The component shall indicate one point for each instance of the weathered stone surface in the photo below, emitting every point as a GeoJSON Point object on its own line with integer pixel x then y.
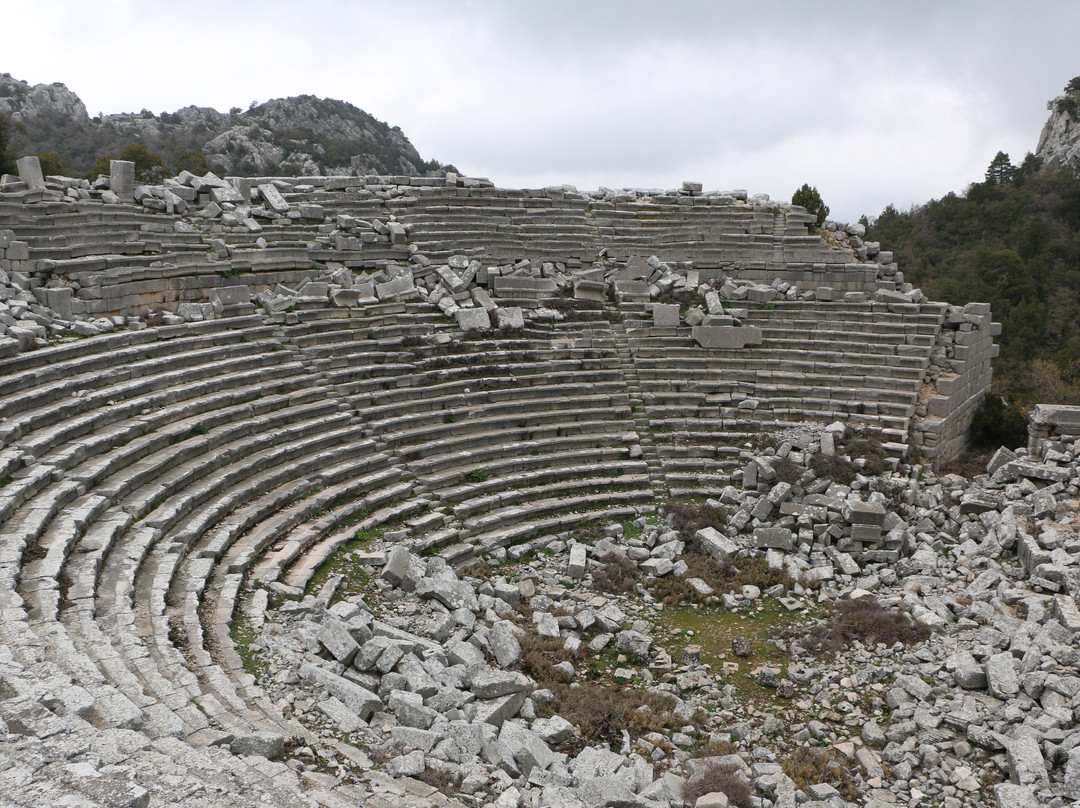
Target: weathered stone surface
{"type": "Point", "coordinates": [270, 745]}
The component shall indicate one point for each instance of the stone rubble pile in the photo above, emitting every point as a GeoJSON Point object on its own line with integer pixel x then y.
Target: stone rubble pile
{"type": "Point", "coordinates": [31, 315]}
{"type": "Point", "coordinates": [423, 671]}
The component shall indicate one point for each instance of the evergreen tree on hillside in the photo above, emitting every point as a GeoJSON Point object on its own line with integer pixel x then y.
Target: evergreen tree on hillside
{"type": "Point", "coordinates": [1000, 171]}
{"type": "Point", "coordinates": [1013, 241]}
{"type": "Point", "coordinates": [7, 162]}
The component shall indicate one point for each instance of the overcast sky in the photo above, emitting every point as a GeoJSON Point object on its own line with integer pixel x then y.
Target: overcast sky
{"type": "Point", "coordinates": [873, 102]}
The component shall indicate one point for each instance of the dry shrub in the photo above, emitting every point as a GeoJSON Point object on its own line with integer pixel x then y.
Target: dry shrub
{"type": "Point", "coordinates": [717, 778]}
{"type": "Point", "coordinates": [538, 654]}
{"type": "Point", "coordinates": [616, 576]}
{"type": "Point", "coordinates": [834, 467]}
{"type": "Point", "coordinates": [787, 471]}
{"type": "Point", "coordinates": [721, 576]}
{"type": "Point", "coordinates": [867, 444]}
{"type": "Point", "coordinates": [690, 517]}
{"type": "Point", "coordinates": [446, 781]}
{"type": "Point", "coordinates": [969, 463]}
{"type": "Point", "coordinates": [809, 765]}
{"type": "Point", "coordinates": [865, 620]}
{"type": "Point", "coordinates": [601, 713]}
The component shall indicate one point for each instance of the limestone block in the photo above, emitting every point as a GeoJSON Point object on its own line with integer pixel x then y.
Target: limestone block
{"type": "Point", "coordinates": [590, 290]}
{"type": "Point", "coordinates": [512, 317]}
{"type": "Point", "coordinates": [226, 193]}
{"type": "Point", "coordinates": [491, 684]}
{"type": "Point", "coordinates": [270, 745]}
{"type": "Point", "coordinates": [760, 294]}
{"type": "Point", "coordinates": [575, 569]}
{"type": "Point", "coordinates": [1026, 764]}
{"type": "Point", "coordinates": [29, 169]}
{"type": "Point", "coordinates": [1010, 795]}
{"type": "Point", "coordinates": [666, 315]}
{"type": "Point", "coordinates": [716, 544]}
{"type": "Point", "coordinates": [1001, 676]}
{"type": "Point", "coordinates": [504, 644]}
{"type": "Point", "coordinates": [777, 538]}
{"type": "Point", "coordinates": [474, 319]}
{"type": "Point", "coordinates": [397, 287]}
{"type": "Point", "coordinates": [273, 199]}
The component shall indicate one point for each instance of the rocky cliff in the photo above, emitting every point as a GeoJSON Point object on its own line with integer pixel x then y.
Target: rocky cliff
{"type": "Point", "coordinates": [303, 135]}
{"type": "Point", "coordinates": [1059, 143]}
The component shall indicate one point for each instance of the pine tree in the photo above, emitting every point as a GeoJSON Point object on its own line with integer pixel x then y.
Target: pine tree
{"type": "Point", "coordinates": [810, 199]}
{"type": "Point", "coordinates": [1000, 171]}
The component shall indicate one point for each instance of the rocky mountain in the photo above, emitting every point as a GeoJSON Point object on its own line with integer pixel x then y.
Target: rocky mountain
{"type": "Point", "coordinates": [1059, 143]}
{"type": "Point", "coordinates": [288, 136]}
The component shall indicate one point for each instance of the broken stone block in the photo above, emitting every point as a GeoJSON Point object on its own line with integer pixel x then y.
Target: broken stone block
{"type": "Point", "coordinates": [777, 538]}
{"type": "Point", "coordinates": [270, 745]}
{"type": "Point", "coordinates": [474, 319]}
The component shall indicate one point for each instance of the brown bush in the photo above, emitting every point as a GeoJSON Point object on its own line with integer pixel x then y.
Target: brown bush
{"type": "Point", "coordinates": [722, 577]}
{"type": "Point", "coordinates": [809, 765]}
{"type": "Point", "coordinates": [865, 620]}
{"type": "Point", "coordinates": [834, 467]}
{"type": "Point", "coordinates": [538, 654]}
{"type": "Point", "coordinates": [616, 576]}
{"type": "Point", "coordinates": [788, 471]}
{"type": "Point", "coordinates": [602, 713]}
{"type": "Point", "coordinates": [716, 778]}
{"type": "Point", "coordinates": [690, 517]}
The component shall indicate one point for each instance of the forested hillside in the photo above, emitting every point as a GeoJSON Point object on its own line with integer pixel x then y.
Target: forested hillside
{"type": "Point", "coordinates": [1012, 240]}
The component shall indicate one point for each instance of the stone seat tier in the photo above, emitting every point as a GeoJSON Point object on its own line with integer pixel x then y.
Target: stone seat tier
{"type": "Point", "coordinates": [900, 369]}
{"type": "Point", "coordinates": [69, 359]}
{"type": "Point", "coordinates": [525, 528]}
{"type": "Point", "coordinates": [451, 482]}
{"type": "Point", "coordinates": [569, 480]}
{"type": "Point", "coordinates": [529, 425]}
{"type": "Point", "coordinates": [453, 396]}
{"type": "Point", "coordinates": [453, 456]}
{"type": "Point", "coordinates": [39, 429]}
{"type": "Point", "coordinates": [464, 417]}
{"type": "Point", "coordinates": [236, 473]}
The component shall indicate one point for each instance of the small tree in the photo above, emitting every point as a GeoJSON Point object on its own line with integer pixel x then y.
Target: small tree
{"type": "Point", "coordinates": [51, 164]}
{"type": "Point", "coordinates": [192, 161]}
{"type": "Point", "coordinates": [809, 198]}
{"type": "Point", "coordinates": [1001, 171]}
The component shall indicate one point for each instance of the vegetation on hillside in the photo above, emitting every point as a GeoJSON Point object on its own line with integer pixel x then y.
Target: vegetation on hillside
{"type": "Point", "coordinates": [7, 162]}
{"type": "Point", "coordinates": [1012, 240]}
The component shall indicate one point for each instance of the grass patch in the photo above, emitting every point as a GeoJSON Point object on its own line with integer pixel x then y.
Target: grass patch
{"type": "Point", "coordinates": [354, 576]}
{"type": "Point", "coordinates": [243, 635]}
{"type": "Point", "coordinates": [714, 629]}
{"type": "Point", "coordinates": [476, 476]}
{"type": "Point", "coordinates": [5, 480]}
